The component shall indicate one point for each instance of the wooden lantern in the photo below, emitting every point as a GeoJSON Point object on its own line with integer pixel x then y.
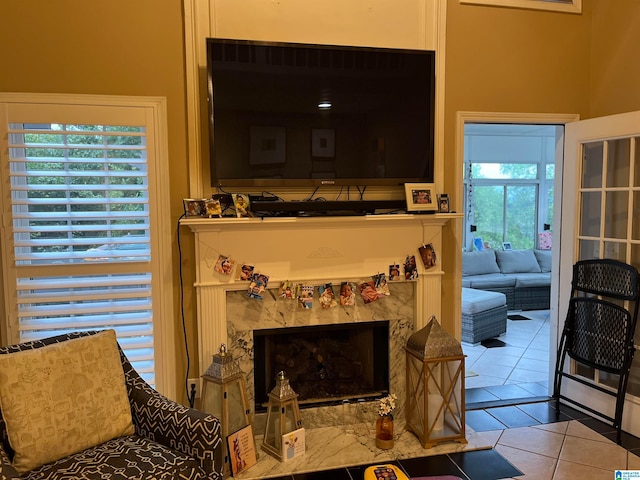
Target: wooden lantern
{"type": "Point", "coordinates": [435, 404]}
{"type": "Point", "coordinates": [224, 395]}
{"type": "Point", "coordinates": [283, 416]}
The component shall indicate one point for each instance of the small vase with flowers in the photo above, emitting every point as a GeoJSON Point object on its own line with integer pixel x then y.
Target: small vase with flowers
{"type": "Point", "coordinates": [384, 423]}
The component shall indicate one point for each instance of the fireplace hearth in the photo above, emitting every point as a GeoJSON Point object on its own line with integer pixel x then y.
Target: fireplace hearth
{"type": "Point", "coordinates": [325, 364]}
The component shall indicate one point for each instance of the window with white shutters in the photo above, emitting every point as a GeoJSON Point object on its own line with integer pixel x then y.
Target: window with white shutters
{"type": "Point", "coordinates": [80, 225]}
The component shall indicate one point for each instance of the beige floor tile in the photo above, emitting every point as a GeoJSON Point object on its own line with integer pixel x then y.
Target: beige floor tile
{"type": "Point", "coordinates": [557, 427]}
{"type": "Point", "coordinates": [593, 453]}
{"type": "Point", "coordinates": [527, 376]}
{"type": "Point", "coordinates": [534, 364]}
{"type": "Point", "coordinates": [575, 471]}
{"type": "Point", "coordinates": [532, 465]}
{"type": "Point", "coordinates": [577, 429]}
{"type": "Point", "coordinates": [533, 440]}
{"type": "Point", "coordinates": [633, 461]}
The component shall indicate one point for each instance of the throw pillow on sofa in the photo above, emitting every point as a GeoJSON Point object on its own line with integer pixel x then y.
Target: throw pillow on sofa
{"type": "Point", "coordinates": [544, 259]}
{"type": "Point", "coordinates": [517, 261]}
{"type": "Point", "coordinates": [63, 398]}
{"type": "Point", "coordinates": [479, 263]}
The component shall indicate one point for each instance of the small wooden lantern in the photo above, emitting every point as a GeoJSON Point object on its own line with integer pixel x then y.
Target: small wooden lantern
{"type": "Point", "coordinates": [435, 405]}
{"type": "Point", "coordinates": [283, 416]}
{"type": "Point", "coordinates": [224, 394]}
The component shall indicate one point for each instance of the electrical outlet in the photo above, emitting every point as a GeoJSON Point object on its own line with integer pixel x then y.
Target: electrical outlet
{"type": "Point", "coordinates": [196, 383]}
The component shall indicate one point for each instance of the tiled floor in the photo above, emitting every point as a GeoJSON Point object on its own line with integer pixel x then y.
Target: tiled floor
{"type": "Point", "coordinates": [519, 369]}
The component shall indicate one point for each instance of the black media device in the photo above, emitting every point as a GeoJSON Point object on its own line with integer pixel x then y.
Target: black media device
{"type": "Point", "coordinates": [288, 115]}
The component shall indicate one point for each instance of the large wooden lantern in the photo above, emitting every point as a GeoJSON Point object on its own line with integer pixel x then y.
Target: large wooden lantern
{"type": "Point", "coordinates": [435, 405]}
{"type": "Point", "coordinates": [283, 416]}
{"type": "Point", "coordinates": [224, 394]}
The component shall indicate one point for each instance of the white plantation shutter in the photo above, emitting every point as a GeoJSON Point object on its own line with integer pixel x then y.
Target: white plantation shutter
{"type": "Point", "coordinates": [80, 224]}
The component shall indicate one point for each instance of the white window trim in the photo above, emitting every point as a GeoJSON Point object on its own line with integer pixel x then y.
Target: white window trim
{"type": "Point", "coordinates": [161, 234]}
{"type": "Point", "coordinates": [575, 6]}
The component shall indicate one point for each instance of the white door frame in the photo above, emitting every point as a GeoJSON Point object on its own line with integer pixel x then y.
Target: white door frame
{"type": "Point", "coordinates": [527, 118]}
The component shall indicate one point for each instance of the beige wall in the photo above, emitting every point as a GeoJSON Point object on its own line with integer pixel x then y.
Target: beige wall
{"type": "Point", "coordinates": [507, 60]}
{"type": "Point", "coordinates": [120, 47]}
{"type": "Point", "coordinates": [498, 60]}
{"type": "Point", "coordinates": [615, 68]}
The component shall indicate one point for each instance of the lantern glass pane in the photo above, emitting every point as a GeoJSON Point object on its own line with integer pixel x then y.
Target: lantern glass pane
{"type": "Point", "coordinates": [212, 398]}
{"type": "Point", "coordinates": [289, 418]}
{"type": "Point", "coordinates": [236, 407]}
{"type": "Point", "coordinates": [273, 435]}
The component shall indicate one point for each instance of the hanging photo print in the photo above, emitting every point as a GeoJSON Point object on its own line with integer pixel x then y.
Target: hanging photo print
{"type": "Point", "coordinates": [382, 287]}
{"type": "Point", "coordinates": [410, 268]}
{"type": "Point", "coordinates": [287, 290]}
{"type": "Point", "coordinates": [428, 256]}
{"type": "Point", "coordinates": [394, 272]}
{"type": "Point", "coordinates": [327, 296]}
{"type": "Point", "coordinates": [224, 265]}
{"type": "Point", "coordinates": [257, 285]}
{"type": "Point", "coordinates": [245, 271]}
{"type": "Point", "coordinates": [347, 295]}
{"type": "Point", "coordinates": [305, 296]}
{"type": "Point", "coordinates": [368, 291]}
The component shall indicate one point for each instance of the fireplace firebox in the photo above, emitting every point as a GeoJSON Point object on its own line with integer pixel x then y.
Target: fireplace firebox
{"type": "Point", "coordinates": [325, 364]}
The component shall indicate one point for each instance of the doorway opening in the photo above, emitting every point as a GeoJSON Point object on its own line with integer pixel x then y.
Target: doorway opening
{"type": "Point", "coordinates": [509, 177]}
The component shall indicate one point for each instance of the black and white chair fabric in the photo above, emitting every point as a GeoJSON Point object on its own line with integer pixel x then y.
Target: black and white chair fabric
{"type": "Point", "coordinates": [167, 440]}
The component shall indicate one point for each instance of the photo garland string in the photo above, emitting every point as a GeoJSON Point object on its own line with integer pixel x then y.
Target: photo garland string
{"type": "Point", "coordinates": [370, 290]}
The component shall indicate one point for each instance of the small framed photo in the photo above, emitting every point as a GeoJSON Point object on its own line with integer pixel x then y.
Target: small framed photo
{"type": "Point", "coordinates": [194, 207]}
{"type": "Point", "coordinates": [506, 246]}
{"type": "Point", "coordinates": [443, 203]}
{"type": "Point", "coordinates": [420, 197]}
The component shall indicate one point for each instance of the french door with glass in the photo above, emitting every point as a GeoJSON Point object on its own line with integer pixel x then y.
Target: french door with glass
{"type": "Point", "coordinates": [600, 218]}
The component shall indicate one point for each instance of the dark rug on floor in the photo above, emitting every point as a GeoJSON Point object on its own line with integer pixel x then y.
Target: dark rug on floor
{"type": "Point", "coordinates": [517, 317]}
{"type": "Point", "coordinates": [492, 343]}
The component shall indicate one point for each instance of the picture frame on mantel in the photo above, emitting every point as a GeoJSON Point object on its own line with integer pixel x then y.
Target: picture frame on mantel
{"type": "Point", "coordinates": [421, 197]}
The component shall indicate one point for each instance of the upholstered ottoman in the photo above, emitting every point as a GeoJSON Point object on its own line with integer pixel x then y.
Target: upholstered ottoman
{"type": "Point", "coordinates": [484, 315]}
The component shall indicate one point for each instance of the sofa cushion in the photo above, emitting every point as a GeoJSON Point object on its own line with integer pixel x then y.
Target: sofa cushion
{"type": "Point", "coordinates": [63, 398]}
{"type": "Point", "coordinates": [479, 263]}
{"type": "Point", "coordinates": [492, 280]}
{"type": "Point", "coordinates": [476, 301]}
{"type": "Point", "coordinates": [525, 280]}
{"type": "Point", "coordinates": [131, 457]}
{"type": "Point", "coordinates": [517, 261]}
{"type": "Point", "coordinates": [544, 259]}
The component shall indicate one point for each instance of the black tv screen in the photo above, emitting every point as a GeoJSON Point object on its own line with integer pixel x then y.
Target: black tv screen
{"type": "Point", "coordinates": [284, 114]}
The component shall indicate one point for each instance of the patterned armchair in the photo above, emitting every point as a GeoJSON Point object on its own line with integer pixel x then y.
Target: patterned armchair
{"type": "Point", "coordinates": [170, 440]}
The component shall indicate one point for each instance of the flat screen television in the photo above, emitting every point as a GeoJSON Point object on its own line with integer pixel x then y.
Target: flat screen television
{"type": "Point", "coordinates": [288, 114]}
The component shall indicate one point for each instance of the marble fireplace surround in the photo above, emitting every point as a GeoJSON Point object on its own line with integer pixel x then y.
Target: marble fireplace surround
{"type": "Point", "coordinates": [313, 250]}
{"type": "Point", "coordinates": [244, 315]}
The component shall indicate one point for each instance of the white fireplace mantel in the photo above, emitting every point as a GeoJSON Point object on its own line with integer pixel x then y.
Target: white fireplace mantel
{"type": "Point", "coordinates": [314, 250]}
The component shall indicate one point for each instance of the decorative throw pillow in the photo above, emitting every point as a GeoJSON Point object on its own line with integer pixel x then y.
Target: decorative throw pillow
{"type": "Point", "coordinates": [479, 263]}
{"type": "Point", "coordinates": [63, 398]}
{"type": "Point", "coordinates": [544, 259]}
{"type": "Point", "coordinates": [517, 261]}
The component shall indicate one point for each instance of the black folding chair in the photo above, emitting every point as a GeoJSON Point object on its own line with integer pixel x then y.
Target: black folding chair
{"type": "Point", "coordinates": [599, 329]}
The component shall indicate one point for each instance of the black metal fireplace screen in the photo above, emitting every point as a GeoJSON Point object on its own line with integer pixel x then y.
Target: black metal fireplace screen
{"type": "Point", "coordinates": [325, 364]}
